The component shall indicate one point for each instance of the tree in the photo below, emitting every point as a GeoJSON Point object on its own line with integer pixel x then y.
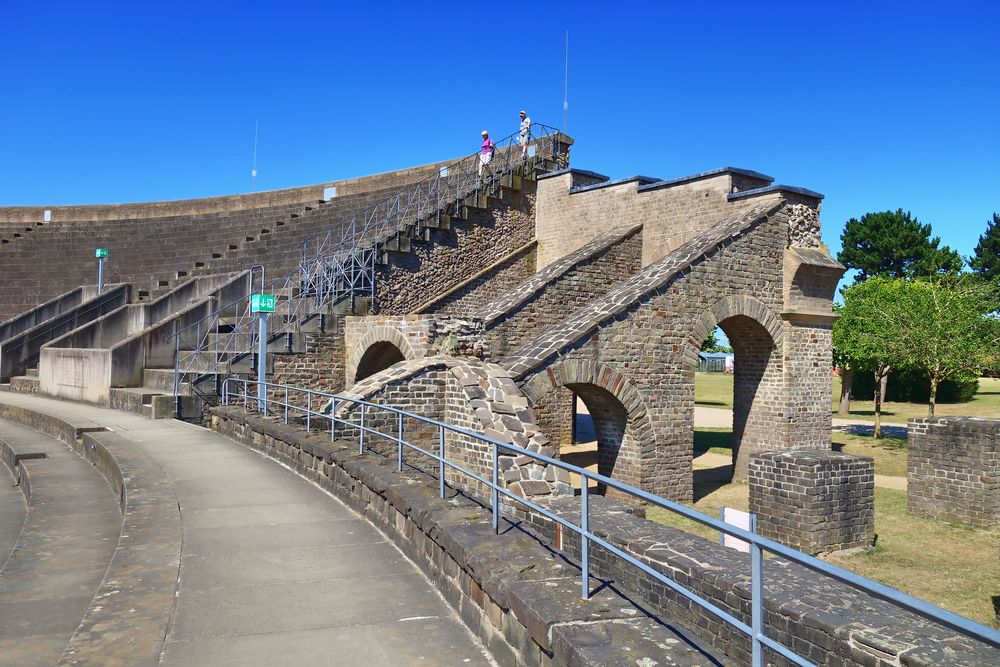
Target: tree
{"type": "Point", "coordinates": [985, 260]}
{"type": "Point", "coordinates": [945, 328]}
{"type": "Point", "coordinates": [863, 336]}
{"type": "Point", "coordinates": [712, 344]}
{"type": "Point", "coordinates": [895, 245]}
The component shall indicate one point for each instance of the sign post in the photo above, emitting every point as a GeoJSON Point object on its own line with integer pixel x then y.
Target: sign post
{"type": "Point", "coordinates": [262, 304]}
{"type": "Point", "coordinates": [101, 254]}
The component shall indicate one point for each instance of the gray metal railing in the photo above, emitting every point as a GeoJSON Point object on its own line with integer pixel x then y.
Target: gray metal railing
{"type": "Point", "coordinates": [322, 407]}
{"type": "Point", "coordinates": [341, 264]}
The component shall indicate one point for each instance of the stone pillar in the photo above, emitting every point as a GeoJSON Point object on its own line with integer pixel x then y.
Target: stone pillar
{"type": "Point", "coordinates": [953, 469]}
{"type": "Point", "coordinates": [814, 501]}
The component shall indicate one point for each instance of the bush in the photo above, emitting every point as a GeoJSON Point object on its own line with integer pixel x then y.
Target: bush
{"type": "Point", "coordinates": [912, 387]}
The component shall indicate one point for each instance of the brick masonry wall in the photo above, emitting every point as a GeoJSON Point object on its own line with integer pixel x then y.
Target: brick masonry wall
{"type": "Point", "coordinates": [671, 214]}
{"type": "Point", "coordinates": [953, 469]}
{"type": "Point", "coordinates": [814, 501]}
{"type": "Point", "coordinates": [498, 279]}
{"type": "Point", "coordinates": [432, 268]}
{"type": "Point", "coordinates": [320, 367]}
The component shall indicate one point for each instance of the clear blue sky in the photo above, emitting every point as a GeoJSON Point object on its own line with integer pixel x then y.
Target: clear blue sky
{"type": "Point", "coordinates": [877, 105]}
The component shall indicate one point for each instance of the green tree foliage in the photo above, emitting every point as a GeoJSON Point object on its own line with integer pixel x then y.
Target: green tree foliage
{"type": "Point", "coordinates": [863, 337]}
{"type": "Point", "coordinates": [944, 328]}
{"type": "Point", "coordinates": [896, 245]}
{"type": "Point", "coordinates": [985, 260]}
{"type": "Point", "coordinates": [712, 344]}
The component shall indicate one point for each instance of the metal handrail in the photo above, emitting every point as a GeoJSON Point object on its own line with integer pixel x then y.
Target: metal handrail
{"type": "Point", "coordinates": [758, 544]}
{"type": "Point", "coordinates": [341, 263]}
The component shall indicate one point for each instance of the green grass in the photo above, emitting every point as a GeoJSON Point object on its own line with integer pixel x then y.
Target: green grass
{"type": "Point", "coordinates": [889, 453]}
{"type": "Point", "coordinates": [950, 565]}
{"type": "Point", "coordinates": [715, 390]}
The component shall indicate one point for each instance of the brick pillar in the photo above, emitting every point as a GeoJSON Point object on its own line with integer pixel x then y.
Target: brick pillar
{"type": "Point", "coordinates": [814, 501]}
{"type": "Point", "coordinates": [953, 469]}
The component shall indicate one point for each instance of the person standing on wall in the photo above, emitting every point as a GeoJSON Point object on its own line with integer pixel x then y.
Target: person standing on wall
{"type": "Point", "coordinates": [524, 135]}
{"type": "Point", "coordinates": [486, 154]}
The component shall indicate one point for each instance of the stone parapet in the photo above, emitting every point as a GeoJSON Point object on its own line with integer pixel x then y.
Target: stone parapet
{"type": "Point", "coordinates": [953, 469]}
{"type": "Point", "coordinates": [812, 500]}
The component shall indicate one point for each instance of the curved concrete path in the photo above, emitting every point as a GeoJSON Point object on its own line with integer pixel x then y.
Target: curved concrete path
{"type": "Point", "coordinates": [12, 513]}
{"type": "Point", "coordinates": [62, 554]}
{"type": "Point", "coordinates": [273, 570]}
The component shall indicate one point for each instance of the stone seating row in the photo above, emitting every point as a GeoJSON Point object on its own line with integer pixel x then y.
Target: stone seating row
{"type": "Point", "coordinates": [94, 575]}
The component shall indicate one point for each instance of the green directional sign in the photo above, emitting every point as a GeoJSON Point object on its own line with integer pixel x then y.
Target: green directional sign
{"type": "Point", "coordinates": [262, 303]}
{"type": "Point", "coordinates": [101, 253]}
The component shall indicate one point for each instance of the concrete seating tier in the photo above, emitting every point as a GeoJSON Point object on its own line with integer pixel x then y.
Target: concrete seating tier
{"type": "Point", "coordinates": [122, 616]}
{"type": "Point", "coordinates": [154, 253]}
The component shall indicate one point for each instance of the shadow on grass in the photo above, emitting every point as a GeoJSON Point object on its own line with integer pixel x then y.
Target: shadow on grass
{"type": "Point", "coordinates": [719, 403]}
{"type": "Point", "coordinates": [706, 440]}
{"type": "Point", "coordinates": [710, 480]}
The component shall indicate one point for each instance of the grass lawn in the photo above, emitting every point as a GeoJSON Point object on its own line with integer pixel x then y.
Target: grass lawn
{"type": "Point", "coordinates": [949, 565]}
{"type": "Point", "coordinates": [715, 390]}
{"type": "Point", "coordinates": [889, 453]}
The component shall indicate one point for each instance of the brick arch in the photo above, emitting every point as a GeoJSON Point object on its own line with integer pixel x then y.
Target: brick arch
{"type": "Point", "coordinates": [626, 440]}
{"type": "Point", "coordinates": [379, 335]}
{"type": "Point", "coordinates": [729, 307]}
{"type": "Point", "coordinates": [759, 392]}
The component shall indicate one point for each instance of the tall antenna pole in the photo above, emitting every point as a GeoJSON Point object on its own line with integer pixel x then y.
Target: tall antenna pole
{"type": "Point", "coordinates": [253, 172]}
{"type": "Point", "coordinates": [566, 86]}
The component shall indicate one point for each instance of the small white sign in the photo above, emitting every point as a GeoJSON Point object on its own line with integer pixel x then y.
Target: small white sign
{"type": "Point", "coordinates": [444, 172]}
{"type": "Point", "coordinates": [330, 192]}
{"type": "Point", "coordinates": [739, 519]}
{"type": "Point", "coordinates": [47, 216]}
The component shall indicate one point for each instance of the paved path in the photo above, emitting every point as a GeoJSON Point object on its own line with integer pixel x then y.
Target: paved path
{"type": "Point", "coordinates": [12, 513]}
{"type": "Point", "coordinates": [713, 461]}
{"type": "Point", "coordinates": [723, 418]}
{"type": "Point", "coordinates": [276, 572]}
{"type": "Point", "coordinates": [69, 535]}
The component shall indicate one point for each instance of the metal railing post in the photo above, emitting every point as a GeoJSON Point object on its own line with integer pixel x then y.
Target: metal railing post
{"type": "Point", "coordinates": [399, 437]}
{"type": "Point", "coordinates": [584, 539]}
{"type": "Point", "coordinates": [286, 405]}
{"type": "Point", "coordinates": [361, 438]}
{"type": "Point", "coordinates": [756, 597]}
{"type": "Point", "coordinates": [441, 453]}
{"type": "Point", "coordinates": [309, 403]}
{"type": "Point", "coordinates": [495, 499]}
{"type": "Point", "coordinates": [333, 420]}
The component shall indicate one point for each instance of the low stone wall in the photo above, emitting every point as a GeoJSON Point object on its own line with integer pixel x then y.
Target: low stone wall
{"type": "Point", "coordinates": [953, 469]}
{"type": "Point", "coordinates": [522, 597]}
{"type": "Point", "coordinates": [519, 597]}
{"type": "Point", "coordinates": [814, 501]}
{"type": "Point", "coordinates": [321, 366]}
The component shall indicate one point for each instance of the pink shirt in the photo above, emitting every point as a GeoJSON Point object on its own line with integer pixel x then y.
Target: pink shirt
{"type": "Point", "coordinates": [488, 146]}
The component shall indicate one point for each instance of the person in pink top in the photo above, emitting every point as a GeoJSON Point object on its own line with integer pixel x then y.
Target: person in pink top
{"type": "Point", "coordinates": [486, 154]}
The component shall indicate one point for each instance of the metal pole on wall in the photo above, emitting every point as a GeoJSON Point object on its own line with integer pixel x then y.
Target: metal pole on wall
{"type": "Point", "coordinates": [262, 363]}
{"type": "Point", "coordinates": [101, 254]}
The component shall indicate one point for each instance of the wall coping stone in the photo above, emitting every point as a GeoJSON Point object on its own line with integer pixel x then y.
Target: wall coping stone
{"type": "Point", "coordinates": [705, 174]}
{"type": "Point", "coordinates": [641, 180]}
{"type": "Point", "coordinates": [571, 170]}
{"type": "Point", "coordinates": [781, 189]}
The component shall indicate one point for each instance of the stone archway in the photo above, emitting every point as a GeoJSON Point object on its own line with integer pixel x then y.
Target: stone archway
{"type": "Point", "coordinates": [625, 444]}
{"type": "Point", "coordinates": [374, 352]}
{"type": "Point", "coordinates": [759, 394]}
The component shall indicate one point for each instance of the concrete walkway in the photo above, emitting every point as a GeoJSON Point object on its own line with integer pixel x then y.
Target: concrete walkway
{"type": "Point", "coordinates": [276, 572]}
{"type": "Point", "coordinates": [12, 513]}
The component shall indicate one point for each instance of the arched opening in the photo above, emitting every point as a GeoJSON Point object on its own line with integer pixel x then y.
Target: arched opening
{"type": "Point", "coordinates": [601, 440]}
{"type": "Point", "coordinates": [377, 358]}
{"type": "Point", "coordinates": [737, 403]}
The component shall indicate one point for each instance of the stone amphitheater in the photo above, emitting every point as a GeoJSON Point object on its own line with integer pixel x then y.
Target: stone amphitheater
{"type": "Point", "coordinates": [373, 472]}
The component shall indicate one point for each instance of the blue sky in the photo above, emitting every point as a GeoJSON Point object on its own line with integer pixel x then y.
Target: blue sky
{"type": "Point", "coordinates": [877, 105]}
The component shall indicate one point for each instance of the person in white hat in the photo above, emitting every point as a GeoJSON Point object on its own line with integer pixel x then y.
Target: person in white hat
{"type": "Point", "coordinates": [524, 135]}
{"type": "Point", "coordinates": [486, 154]}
